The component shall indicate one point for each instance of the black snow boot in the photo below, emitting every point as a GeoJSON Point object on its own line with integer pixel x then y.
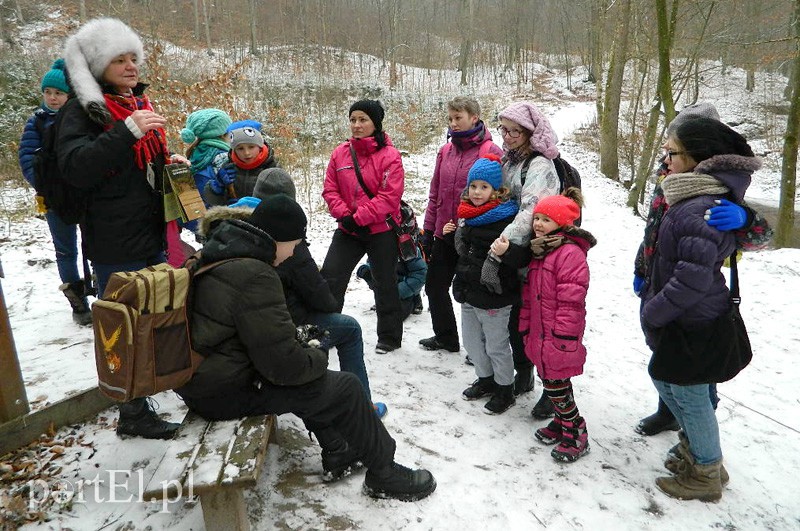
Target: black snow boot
{"type": "Point", "coordinates": [544, 408]}
{"type": "Point", "coordinates": [479, 388]}
{"type": "Point", "coordinates": [661, 420]}
{"type": "Point", "coordinates": [523, 380]}
{"type": "Point", "coordinates": [502, 399]}
{"type": "Point", "coordinates": [399, 483]}
{"type": "Point", "coordinates": [339, 459]}
{"type": "Point", "coordinates": [75, 292]}
{"type": "Point", "coordinates": [417, 305]}
{"type": "Point", "coordinates": [138, 418]}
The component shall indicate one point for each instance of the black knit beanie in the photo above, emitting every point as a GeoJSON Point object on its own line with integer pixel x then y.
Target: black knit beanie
{"type": "Point", "coordinates": [702, 138]}
{"type": "Point", "coordinates": [281, 217]}
{"type": "Point", "coordinates": [373, 109]}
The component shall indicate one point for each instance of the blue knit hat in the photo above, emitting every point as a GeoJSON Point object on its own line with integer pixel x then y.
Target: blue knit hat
{"type": "Point", "coordinates": [487, 168]}
{"type": "Point", "coordinates": [205, 123]}
{"type": "Point", "coordinates": [55, 78]}
{"type": "Point", "coordinates": [245, 132]}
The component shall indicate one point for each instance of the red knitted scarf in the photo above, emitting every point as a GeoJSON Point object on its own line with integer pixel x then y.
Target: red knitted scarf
{"type": "Point", "coordinates": [153, 142]}
{"type": "Point", "coordinates": [255, 163]}
{"type": "Point", "coordinates": [467, 210]}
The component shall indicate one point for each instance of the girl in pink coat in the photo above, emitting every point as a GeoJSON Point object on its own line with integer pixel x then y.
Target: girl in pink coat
{"type": "Point", "coordinates": [553, 316]}
{"type": "Point", "coordinates": [363, 186]}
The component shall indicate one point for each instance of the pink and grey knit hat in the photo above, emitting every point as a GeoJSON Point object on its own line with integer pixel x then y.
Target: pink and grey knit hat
{"type": "Point", "coordinates": [543, 138]}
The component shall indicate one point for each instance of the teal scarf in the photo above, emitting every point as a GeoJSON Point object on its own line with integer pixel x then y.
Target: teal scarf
{"type": "Point", "coordinates": [205, 152]}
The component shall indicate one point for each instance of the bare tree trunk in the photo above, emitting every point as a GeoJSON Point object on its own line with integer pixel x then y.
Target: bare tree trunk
{"type": "Point", "coordinates": [646, 158]}
{"type": "Point", "coordinates": [18, 11]}
{"type": "Point", "coordinates": [207, 23]}
{"type": "Point", "coordinates": [750, 83]}
{"type": "Point", "coordinates": [251, 4]}
{"type": "Point", "coordinates": [82, 11]}
{"type": "Point", "coordinates": [196, 10]}
{"type": "Point", "coordinates": [466, 39]}
{"type": "Point", "coordinates": [665, 32]}
{"type": "Point", "coordinates": [609, 125]}
{"type": "Point", "coordinates": [786, 216]}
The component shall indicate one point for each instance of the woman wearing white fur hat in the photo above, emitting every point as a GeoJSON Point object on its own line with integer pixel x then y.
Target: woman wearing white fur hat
{"type": "Point", "coordinates": [112, 144]}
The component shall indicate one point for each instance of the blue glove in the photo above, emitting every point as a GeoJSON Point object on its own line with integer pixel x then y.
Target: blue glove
{"type": "Point", "coordinates": [727, 216]}
{"type": "Point", "coordinates": [225, 176]}
{"type": "Point", "coordinates": [247, 201]}
{"type": "Point", "coordinates": [638, 282]}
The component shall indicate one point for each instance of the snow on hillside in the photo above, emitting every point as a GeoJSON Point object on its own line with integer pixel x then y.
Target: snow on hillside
{"type": "Point", "coordinates": [491, 472]}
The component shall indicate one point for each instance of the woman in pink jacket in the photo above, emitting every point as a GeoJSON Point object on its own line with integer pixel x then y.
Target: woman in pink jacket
{"type": "Point", "coordinates": [363, 186]}
{"type": "Point", "coordinates": [553, 316]}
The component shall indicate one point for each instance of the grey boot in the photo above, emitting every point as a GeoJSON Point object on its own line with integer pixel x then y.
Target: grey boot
{"type": "Point", "coordinates": [694, 482]}
{"type": "Point", "coordinates": [75, 292]}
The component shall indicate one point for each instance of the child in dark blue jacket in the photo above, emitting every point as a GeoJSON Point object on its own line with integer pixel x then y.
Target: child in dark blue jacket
{"type": "Point", "coordinates": [65, 236]}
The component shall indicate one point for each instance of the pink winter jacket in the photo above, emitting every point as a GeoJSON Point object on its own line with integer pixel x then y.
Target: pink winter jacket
{"type": "Point", "coordinates": [553, 314]}
{"type": "Point", "coordinates": [382, 170]}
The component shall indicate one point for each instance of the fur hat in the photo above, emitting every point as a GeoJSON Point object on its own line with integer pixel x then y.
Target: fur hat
{"type": "Point", "coordinates": [87, 54]}
{"type": "Point", "coordinates": [281, 217]}
{"type": "Point", "coordinates": [373, 109]}
{"type": "Point", "coordinates": [55, 77]}
{"type": "Point", "coordinates": [559, 208]}
{"type": "Point", "coordinates": [543, 138]}
{"type": "Point", "coordinates": [205, 123]}
{"type": "Point", "coordinates": [487, 168]}
{"type": "Point", "coordinates": [703, 138]}
{"type": "Point", "coordinates": [695, 110]}
{"type": "Point", "coordinates": [273, 181]}
{"type": "Point", "coordinates": [245, 132]}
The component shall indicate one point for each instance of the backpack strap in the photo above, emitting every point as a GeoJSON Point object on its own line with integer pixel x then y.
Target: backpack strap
{"type": "Point", "coordinates": [357, 169]}
{"type": "Point", "coordinates": [735, 298]}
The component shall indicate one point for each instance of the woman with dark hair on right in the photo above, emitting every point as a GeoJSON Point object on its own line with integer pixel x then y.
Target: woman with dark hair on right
{"type": "Point", "coordinates": [751, 230]}
{"type": "Point", "coordinates": [707, 161]}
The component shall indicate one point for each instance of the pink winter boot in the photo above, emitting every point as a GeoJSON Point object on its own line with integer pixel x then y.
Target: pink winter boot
{"type": "Point", "coordinates": [550, 434]}
{"type": "Point", "coordinates": [574, 442]}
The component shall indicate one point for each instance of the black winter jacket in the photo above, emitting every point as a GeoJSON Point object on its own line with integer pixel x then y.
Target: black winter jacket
{"type": "Point", "coordinates": [125, 218]}
{"type": "Point", "coordinates": [305, 289]}
{"type": "Point", "coordinates": [475, 242]}
{"type": "Point", "coordinates": [239, 319]}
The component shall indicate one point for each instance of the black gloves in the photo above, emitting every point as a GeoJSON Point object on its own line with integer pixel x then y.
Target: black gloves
{"type": "Point", "coordinates": [349, 224]}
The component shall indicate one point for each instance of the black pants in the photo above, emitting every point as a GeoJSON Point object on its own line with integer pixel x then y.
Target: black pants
{"type": "Point", "coordinates": [441, 271]}
{"type": "Point", "coordinates": [521, 361]}
{"type": "Point", "coordinates": [336, 400]}
{"type": "Point", "coordinates": [381, 249]}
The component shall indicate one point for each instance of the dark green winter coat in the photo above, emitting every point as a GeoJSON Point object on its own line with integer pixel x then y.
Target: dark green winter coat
{"type": "Point", "coordinates": [239, 319]}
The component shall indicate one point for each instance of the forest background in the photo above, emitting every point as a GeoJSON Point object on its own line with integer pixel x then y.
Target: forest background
{"type": "Point", "coordinates": [634, 58]}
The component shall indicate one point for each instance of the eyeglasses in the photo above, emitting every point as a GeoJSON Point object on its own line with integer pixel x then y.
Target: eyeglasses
{"type": "Point", "coordinates": [670, 154]}
{"type": "Point", "coordinates": [512, 133]}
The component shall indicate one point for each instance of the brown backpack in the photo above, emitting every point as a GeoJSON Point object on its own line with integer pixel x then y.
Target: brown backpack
{"type": "Point", "coordinates": [141, 331]}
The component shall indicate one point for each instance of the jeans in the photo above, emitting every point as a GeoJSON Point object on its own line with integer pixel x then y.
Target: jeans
{"type": "Point", "coordinates": [344, 334]}
{"type": "Point", "coordinates": [342, 258]}
{"type": "Point", "coordinates": [334, 400]}
{"type": "Point", "coordinates": [485, 335]}
{"type": "Point", "coordinates": [441, 271]}
{"type": "Point", "coordinates": [103, 271]}
{"type": "Point", "coordinates": [65, 241]}
{"type": "Point", "coordinates": [696, 417]}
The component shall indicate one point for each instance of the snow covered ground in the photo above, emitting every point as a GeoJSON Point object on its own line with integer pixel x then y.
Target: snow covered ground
{"type": "Point", "coordinates": [491, 472]}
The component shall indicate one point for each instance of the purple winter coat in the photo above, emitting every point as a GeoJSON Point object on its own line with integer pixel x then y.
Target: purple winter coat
{"type": "Point", "coordinates": [553, 314]}
{"type": "Point", "coordinates": [686, 284]}
{"type": "Point", "coordinates": [450, 179]}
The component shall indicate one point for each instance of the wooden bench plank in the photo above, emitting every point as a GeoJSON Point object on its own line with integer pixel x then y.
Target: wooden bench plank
{"type": "Point", "coordinates": [247, 454]}
{"type": "Point", "coordinates": [224, 510]}
{"type": "Point", "coordinates": [172, 469]}
{"type": "Point", "coordinates": [206, 470]}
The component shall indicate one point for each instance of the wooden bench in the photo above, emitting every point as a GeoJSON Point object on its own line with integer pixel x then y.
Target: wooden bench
{"type": "Point", "coordinates": [216, 461]}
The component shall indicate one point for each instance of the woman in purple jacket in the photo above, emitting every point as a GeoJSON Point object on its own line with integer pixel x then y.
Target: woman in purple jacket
{"type": "Point", "coordinates": [469, 140]}
{"type": "Point", "coordinates": [708, 161]}
{"type": "Point", "coordinates": [363, 186]}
